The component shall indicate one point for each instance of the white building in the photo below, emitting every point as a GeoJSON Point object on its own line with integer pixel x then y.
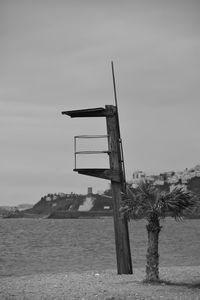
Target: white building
{"type": "Point", "coordinates": [138, 176]}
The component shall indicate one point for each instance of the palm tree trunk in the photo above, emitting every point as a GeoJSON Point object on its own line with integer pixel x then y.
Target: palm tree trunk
{"type": "Point", "coordinates": [152, 266]}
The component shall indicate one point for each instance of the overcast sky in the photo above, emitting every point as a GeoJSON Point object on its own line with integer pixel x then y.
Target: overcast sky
{"type": "Point", "coordinates": [56, 55]}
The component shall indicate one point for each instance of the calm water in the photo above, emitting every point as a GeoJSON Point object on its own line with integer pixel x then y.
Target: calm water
{"type": "Point", "coordinates": [29, 246]}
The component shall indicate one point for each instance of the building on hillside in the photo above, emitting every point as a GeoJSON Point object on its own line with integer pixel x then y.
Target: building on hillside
{"type": "Point", "coordinates": [188, 179]}
{"type": "Point", "coordinates": [138, 176]}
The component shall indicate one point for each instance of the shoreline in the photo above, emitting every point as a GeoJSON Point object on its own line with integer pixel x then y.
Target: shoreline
{"type": "Point", "coordinates": [178, 283]}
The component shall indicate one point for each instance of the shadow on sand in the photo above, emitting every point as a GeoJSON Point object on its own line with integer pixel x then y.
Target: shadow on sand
{"type": "Point", "coordinates": [193, 285]}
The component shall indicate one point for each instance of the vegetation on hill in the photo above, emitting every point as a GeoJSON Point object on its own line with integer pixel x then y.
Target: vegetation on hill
{"type": "Point", "coordinates": [52, 202]}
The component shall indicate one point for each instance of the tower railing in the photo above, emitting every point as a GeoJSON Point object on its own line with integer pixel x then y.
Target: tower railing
{"type": "Point", "coordinates": [77, 137]}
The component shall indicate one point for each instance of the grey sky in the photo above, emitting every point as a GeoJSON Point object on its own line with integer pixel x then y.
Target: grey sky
{"type": "Point", "coordinates": [55, 55]}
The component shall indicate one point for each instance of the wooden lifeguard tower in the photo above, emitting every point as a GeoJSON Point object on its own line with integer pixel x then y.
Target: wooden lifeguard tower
{"type": "Point", "coordinates": [116, 174]}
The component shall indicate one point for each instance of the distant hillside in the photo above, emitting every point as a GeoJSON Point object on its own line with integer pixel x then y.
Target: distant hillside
{"type": "Point", "coordinates": [53, 202]}
{"type": "Point", "coordinates": [102, 202]}
{"type": "Point", "coordinates": [54, 205]}
{"type": "Point", "coordinates": [63, 205]}
{"type": "Point", "coordinates": [24, 206]}
{"type": "Point", "coordinates": [90, 206]}
{"type": "Point", "coordinates": [4, 210]}
{"type": "Point", "coordinates": [13, 210]}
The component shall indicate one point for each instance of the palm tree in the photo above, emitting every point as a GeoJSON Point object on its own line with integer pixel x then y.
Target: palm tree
{"type": "Point", "coordinates": [147, 201]}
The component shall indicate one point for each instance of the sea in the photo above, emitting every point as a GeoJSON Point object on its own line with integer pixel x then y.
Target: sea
{"type": "Point", "coordinates": [33, 246]}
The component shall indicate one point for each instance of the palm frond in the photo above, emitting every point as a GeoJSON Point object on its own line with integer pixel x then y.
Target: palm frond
{"type": "Point", "coordinates": [177, 201]}
{"type": "Point", "coordinates": [148, 199]}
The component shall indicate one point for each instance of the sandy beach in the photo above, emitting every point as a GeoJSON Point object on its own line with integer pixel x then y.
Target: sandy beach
{"type": "Point", "coordinates": [178, 283]}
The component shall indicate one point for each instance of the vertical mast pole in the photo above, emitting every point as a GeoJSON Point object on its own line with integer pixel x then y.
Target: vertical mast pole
{"type": "Point", "coordinates": [114, 84]}
{"type": "Point", "coordinates": [120, 140]}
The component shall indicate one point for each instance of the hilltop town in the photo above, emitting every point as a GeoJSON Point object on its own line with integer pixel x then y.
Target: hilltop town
{"type": "Point", "coordinates": [189, 179]}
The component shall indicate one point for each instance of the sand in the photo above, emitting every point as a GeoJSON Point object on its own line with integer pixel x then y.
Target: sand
{"type": "Point", "coordinates": [179, 283]}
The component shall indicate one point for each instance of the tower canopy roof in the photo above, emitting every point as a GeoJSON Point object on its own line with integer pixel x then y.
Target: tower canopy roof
{"type": "Point", "coordinates": [91, 112]}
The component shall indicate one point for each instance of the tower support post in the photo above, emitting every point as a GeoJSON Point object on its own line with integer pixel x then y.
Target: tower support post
{"type": "Point", "coordinates": [122, 243]}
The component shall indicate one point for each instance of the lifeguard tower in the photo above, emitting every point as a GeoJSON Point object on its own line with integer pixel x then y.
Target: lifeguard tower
{"type": "Point", "coordinates": [115, 173]}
